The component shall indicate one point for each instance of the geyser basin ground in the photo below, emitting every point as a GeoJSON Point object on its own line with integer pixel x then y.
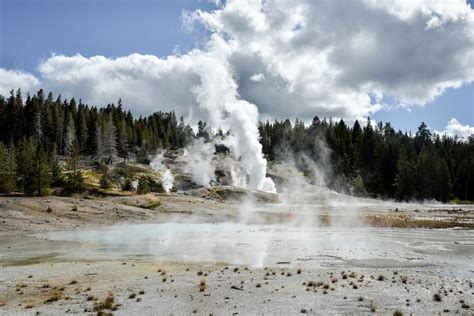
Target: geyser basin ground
{"type": "Point", "coordinates": [271, 260]}
{"type": "Point", "coordinates": [271, 245]}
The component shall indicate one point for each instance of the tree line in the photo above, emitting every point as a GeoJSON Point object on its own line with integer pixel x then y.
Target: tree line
{"type": "Point", "coordinates": [377, 160]}
{"type": "Point", "coordinates": [38, 131]}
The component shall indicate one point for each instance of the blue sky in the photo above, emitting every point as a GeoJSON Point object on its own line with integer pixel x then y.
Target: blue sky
{"type": "Point", "coordinates": [32, 30]}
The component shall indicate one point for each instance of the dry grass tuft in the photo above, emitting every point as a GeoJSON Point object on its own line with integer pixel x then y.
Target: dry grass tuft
{"type": "Point", "coordinates": [202, 285]}
{"type": "Point", "coordinates": [107, 303]}
{"type": "Point", "coordinates": [53, 297]}
{"type": "Point", "coordinates": [437, 297]}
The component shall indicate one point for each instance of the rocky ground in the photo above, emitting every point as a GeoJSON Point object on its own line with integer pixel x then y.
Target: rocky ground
{"type": "Point", "coordinates": [34, 279]}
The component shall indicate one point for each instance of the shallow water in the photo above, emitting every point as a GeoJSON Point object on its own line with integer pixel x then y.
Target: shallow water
{"type": "Point", "coordinates": [266, 245]}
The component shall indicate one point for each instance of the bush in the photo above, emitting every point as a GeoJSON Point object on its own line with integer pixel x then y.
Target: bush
{"type": "Point", "coordinates": [127, 185]}
{"type": "Point", "coordinates": [74, 183]}
{"type": "Point", "coordinates": [143, 185]}
{"type": "Point", "coordinates": [105, 182]}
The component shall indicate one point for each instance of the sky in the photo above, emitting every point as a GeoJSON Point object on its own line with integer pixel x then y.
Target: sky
{"type": "Point", "coordinates": [398, 61]}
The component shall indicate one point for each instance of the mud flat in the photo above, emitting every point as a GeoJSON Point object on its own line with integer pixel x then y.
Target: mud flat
{"type": "Point", "coordinates": [188, 255]}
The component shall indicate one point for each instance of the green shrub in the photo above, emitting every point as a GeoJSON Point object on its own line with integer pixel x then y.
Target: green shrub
{"type": "Point", "coordinates": [143, 185]}
{"type": "Point", "coordinates": [105, 182]}
{"type": "Point", "coordinates": [127, 185]}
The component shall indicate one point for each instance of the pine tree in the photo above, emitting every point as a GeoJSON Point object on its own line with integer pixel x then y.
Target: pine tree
{"type": "Point", "coordinates": [25, 166]}
{"type": "Point", "coordinates": [424, 172]}
{"type": "Point", "coordinates": [7, 169]}
{"type": "Point", "coordinates": [109, 140]}
{"type": "Point", "coordinates": [74, 179]}
{"type": "Point", "coordinates": [57, 178]}
{"type": "Point", "coordinates": [81, 127]}
{"type": "Point", "coordinates": [42, 172]}
{"type": "Point", "coordinates": [69, 134]}
{"type": "Point", "coordinates": [442, 185]}
{"type": "Point", "coordinates": [405, 178]}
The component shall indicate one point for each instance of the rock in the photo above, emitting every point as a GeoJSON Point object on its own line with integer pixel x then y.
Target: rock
{"type": "Point", "coordinates": [229, 193]}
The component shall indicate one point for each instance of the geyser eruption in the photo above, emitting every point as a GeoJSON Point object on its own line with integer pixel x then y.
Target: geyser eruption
{"type": "Point", "coordinates": [167, 178]}
{"type": "Point", "coordinates": [217, 95]}
{"type": "Point", "coordinates": [167, 181]}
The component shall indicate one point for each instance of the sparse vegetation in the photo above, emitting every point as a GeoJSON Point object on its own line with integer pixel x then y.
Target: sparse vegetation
{"type": "Point", "coordinates": [106, 303]}
{"type": "Point", "coordinates": [202, 285]}
{"type": "Point", "coordinates": [437, 297]}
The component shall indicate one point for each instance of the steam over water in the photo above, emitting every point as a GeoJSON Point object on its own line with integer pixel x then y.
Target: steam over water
{"type": "Point", "coordinates": [269, 245]}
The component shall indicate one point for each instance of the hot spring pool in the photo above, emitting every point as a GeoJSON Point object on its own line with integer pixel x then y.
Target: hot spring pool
{"type": "Point", "coordinates": [266, 245]}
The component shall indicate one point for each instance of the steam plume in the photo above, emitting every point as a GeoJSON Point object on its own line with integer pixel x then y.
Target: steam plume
{"type": "Point", "coordinates": [167, 178]}
{"type": "Point", "coordinates": [217, 95]}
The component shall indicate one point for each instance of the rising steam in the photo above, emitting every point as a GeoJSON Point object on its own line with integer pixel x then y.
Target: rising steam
{"type": "Point", "coordinates": [217, 95]}
{"type": "Point", "coordinates": [167, 178]}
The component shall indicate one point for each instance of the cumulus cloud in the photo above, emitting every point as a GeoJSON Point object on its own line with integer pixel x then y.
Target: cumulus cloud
{"type": "Point", "coordinates": [289, 58]}
{"type": "Point", "coordinates": [13, 79]}
{"type": "Point", "coordinates": [455, 128]}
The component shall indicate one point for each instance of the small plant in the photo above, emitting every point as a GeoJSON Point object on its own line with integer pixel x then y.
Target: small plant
{"type": "Point", "coordinates": [372, 307]}
{"type": "Point", "coordinates": [298, 271]}
{"type": "Point", "coordinates": [397, 313]}
{"type": "Point", "coordinates": [107, 303]}
{"type": "Point", "coordinates": [53, 297]}
{"type": "Point", "coordinates": [127, 185]}
{"type": "Point", "coordinates": [202, 285]}
{"type": "Point", "coordinates": [437, 297]}
{"type": "Point", "coordinates": [381, 278]}
{"type": "Point", "coordinates": [258, 285]}
{"type": "Point", "coordinates": [105, 182]}
{"type": "Point", "coordinates": [74, 208]}
{"type": "Point", "coordinates": [143, 185]}
{"type": "Point", "coordinates": [49, 209]}
{"type": "Point", "coordinates": [73, 282]}
{"type": "Point", "coordinates": [132, 296]}
{"type": "Point", "coordinates": [141, 292]}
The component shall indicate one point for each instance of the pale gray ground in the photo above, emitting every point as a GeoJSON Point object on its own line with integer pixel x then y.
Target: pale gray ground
{"type": "Point", "coordinates": [263, 259]}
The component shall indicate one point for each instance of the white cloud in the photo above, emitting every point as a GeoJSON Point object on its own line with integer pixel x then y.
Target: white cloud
{"type": "Point", "coordinates": [13, 79]}
{"type": "Point", "coordinates": [455, 128]}
{"type": "Point", "coordinates": [289, 58]}
{"type": "Point", "coordinates": [257, 77]}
